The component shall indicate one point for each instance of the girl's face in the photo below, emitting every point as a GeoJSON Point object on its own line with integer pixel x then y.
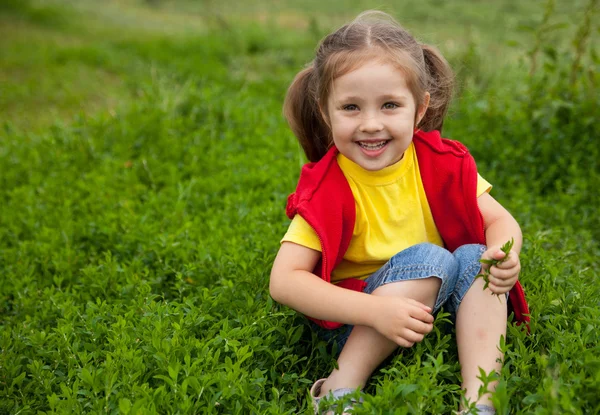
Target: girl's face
{"type": "Point", "coordinates": [371, 112]}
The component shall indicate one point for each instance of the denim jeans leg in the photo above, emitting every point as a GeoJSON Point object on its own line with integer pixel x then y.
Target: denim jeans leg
{"type": "Point", "coordinates": [420, 261]}
{"type": "Point", "coordinates": [416, 262]}
{"type": "Point", "coordinates": [468, 257]}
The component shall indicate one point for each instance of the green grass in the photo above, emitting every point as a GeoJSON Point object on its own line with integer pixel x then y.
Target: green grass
{"type": "Point", "coordinates": [144, 169]}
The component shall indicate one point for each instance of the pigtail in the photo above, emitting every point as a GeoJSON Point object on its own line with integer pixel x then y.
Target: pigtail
{"type": "Point", "coordinates": [440, 86]}
{"type": "Point", "coordinates": [301, 109]}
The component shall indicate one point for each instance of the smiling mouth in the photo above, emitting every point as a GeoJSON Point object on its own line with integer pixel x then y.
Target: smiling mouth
{"type": "Point", "coordinates": [376, 145]}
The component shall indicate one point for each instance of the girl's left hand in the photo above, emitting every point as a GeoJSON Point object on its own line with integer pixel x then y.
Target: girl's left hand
{"type": "Point", "coordinates": [504, 275]}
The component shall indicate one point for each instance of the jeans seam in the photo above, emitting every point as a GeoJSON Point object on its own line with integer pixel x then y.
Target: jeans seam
{"type": "Point", "coordinates": [462, 277]}
{"type": "Point", "coordinates": [411, 269]}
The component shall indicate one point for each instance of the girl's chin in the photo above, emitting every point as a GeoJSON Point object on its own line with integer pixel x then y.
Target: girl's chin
{"type": "Point", "coordinates": [376, 160]}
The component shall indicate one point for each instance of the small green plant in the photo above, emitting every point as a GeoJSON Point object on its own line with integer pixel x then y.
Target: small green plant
{"type": "Point", "coordinates": [136, 241]}
{"type": "Point", "coordinates": [491, 262]}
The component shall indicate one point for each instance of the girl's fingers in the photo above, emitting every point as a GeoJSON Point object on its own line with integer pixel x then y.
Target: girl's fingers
{"type": "Point", "coordinates": [413, 333]}
{"type": "Point", "coordinates": [420, 327]}
{"type": "Point", "coordinates": [498, 290]}
{"type": "Point", "coordinates": [403, 342]}
{"type": "Point", "coordinates": [498, 255]}
{"type": "Point", "coordinates": [504, 274]}
{"type": "Point", "coordinates": [509, 263]}
{"type": "Point", "coordinates": [420, 311]}
{"type": "Point", "coordinates": [501, 274]}
{"type": "Point", "coordinates": [419, 304]}
{"type": "Point", "coordinates": [501, 282]}
{"type": "Point", "coordinates": [421, 315]}
{"type": "Point", "coordinates": [412, 336]}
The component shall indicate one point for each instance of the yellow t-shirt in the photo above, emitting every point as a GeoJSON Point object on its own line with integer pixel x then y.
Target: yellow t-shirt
{"type": "Point", "coordinates": [392, 214]}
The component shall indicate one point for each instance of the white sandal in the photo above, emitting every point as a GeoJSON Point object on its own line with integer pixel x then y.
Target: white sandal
{"type": "Point", "coordinates": [315, 390]}
{"type": "Point", "coordinates": [480, 409]}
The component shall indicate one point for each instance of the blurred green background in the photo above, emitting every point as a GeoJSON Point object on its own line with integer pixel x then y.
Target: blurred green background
{"type": "Point", "coordinates": [144, 168]}
{"type": "Point", "coordinates": [63, 58]}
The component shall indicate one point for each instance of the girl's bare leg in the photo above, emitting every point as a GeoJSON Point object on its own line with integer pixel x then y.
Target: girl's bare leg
{"type": "Point", "coordinates": [366, 348]}
{"type": "Point", "coordinates": [480, 321]}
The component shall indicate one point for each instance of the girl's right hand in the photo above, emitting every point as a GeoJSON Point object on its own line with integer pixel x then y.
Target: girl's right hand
{"type": "Point", "coordinates": [403, 320]}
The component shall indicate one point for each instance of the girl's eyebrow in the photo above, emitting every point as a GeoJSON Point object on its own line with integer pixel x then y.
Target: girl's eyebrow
{"type": "Point", "coordinates": [382, 97]}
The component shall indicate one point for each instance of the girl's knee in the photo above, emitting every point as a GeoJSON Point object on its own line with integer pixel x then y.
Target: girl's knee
{"type": "Point", "coordinates": [469, 254]}
{"type": "Point", "coordinates": [422, 261]}
{"type": "Point", "coordinates": [467, 257]}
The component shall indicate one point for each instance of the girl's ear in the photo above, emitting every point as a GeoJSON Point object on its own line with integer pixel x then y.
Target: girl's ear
{"type": "Point", "coordinates": [423, 108]}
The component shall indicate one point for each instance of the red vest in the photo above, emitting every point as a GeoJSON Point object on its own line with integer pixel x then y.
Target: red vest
{"type": "Point", "coordinates": [324, 199]}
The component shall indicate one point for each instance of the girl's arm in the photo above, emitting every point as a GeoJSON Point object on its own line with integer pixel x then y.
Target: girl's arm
{"type": "Point", "coordinates": [293, 284]}
{"type": "Point", "coordinates": [500, 227]}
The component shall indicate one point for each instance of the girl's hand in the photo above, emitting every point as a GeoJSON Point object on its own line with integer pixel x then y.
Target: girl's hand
{"type": "Point", "coordinates": [403, 320]}
{"type": "Point", "coordinates": [504, 275]}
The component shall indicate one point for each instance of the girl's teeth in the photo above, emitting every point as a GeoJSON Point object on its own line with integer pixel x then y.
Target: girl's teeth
{"type": "Point", "coordinates": [373, 146]}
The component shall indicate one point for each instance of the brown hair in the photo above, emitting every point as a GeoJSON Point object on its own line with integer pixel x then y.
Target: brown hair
{"type": "Point", "coordinates": [372, 35]}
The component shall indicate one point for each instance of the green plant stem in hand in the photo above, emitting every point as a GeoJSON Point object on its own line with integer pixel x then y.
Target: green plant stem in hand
{"type": "Point", "coordinates": [491, 262]}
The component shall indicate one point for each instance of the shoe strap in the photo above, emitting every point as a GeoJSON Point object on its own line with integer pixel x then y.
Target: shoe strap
{"type": "Point", "coordinates": [338, 393]}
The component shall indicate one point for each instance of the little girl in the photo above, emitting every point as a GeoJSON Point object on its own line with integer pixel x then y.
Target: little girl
{"type": "Point", "coordinates": [389, 219]}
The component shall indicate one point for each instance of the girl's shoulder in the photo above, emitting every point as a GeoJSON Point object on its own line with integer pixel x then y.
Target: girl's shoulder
{"type": "Point", "coordinates": [433, 141]}
{"type": "Point", "coordinates": [324, 178]}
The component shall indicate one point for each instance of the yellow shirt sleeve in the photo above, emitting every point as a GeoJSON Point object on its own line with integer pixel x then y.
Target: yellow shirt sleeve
{"type": "Point", "coordinates": [301, 233]}
{"type": "Point", "coordinates": [483, 186]}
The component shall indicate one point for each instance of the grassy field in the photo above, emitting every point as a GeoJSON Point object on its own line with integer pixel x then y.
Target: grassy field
{"type": "Point", "coordinates": [144, 167]}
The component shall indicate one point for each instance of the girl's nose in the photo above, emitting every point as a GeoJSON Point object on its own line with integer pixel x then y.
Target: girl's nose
{"type": "Point", "coordinates": [370, 124]}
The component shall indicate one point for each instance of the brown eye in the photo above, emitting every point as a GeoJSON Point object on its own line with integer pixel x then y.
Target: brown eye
{"type": "Point", "coordinates": [390, 105]}
{"type": "Point", "coordinates": [350, 107]}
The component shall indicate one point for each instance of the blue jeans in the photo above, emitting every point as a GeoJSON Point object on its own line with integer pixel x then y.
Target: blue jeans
{"type": "Point", "coordinates": [456, 270]}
